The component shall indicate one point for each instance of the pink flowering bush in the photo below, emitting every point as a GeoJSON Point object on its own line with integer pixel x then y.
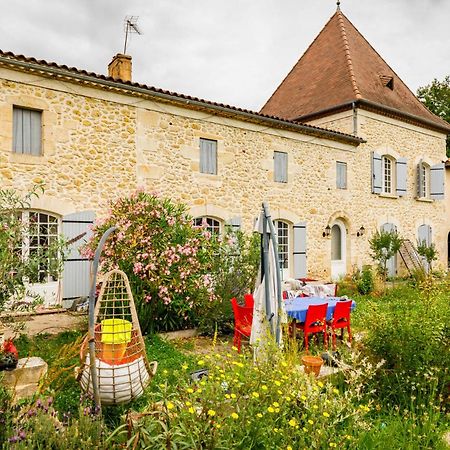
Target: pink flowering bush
{"type": "Point", "coordinates": [165, 257]}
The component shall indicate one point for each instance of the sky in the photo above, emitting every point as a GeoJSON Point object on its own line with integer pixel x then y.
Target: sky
{"type": "Point", "coordinates": [229, 51]}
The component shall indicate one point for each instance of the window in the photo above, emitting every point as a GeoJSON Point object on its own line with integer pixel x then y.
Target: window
{"type": "Point", "coordinates": [42, 234]}
{"type": "Point", "coordinates": [387, 175]}
{"type": "Point", "coordinates": [280, 167]}
{"type": "Point", "coordinates": [341, 175]}
{"type": "Point", "coordinates": [27, 124]}
{"type": "Point", "coordinates": [336, 243]}
{"type": "Point", "coordinates": [209, 223]}
{"type": "Point", "coordinates": [208, 156]}
{"type": "Point", "coordinates": [283, 243]}
{"type": "Point", "coordinates": [423, 181]}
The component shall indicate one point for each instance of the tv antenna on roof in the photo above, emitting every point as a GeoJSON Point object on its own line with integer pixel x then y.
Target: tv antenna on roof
{"type": "Point", "coordinates": [130, 26]}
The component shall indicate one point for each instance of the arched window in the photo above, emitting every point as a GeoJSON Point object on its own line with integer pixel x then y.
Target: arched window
{"type": "Point", "coordinates": [388, 175]}
{"type": "Point", "coordinates": [336, 243]}
{"type": "Point", "coordinates": [210, 223]}
{"type": "Point", "coordinates": [41, 236]}
{"type": "Point", "coordinates": [282, 229]}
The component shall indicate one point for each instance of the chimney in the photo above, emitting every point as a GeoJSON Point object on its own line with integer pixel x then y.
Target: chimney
{"type": "Point", "coordinates": [120, 67]}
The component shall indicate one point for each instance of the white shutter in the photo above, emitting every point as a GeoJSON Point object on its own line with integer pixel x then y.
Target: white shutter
{"type": "Point", "coordinates": [437, 183]}
{"type": "Point", "coordinates": [76, 275]}
{"type": "Point", "coordinates": [208, 156]}
{"type": "Point", "coordinates": [401, 175]}
{"type": "Point", "coordinates": [376, 173]}
{"type": "Point", "coordinates": [300, 266]}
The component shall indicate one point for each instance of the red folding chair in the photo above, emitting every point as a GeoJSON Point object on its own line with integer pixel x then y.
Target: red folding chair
{"type": "Point", "coordinates": [243, 317]}
{"type": "Point", "coordinates": [341, 320]}
{"type": "Point", "coordinates": [315, 322]}
{"type": "Point", "coordinates": [249, 301]}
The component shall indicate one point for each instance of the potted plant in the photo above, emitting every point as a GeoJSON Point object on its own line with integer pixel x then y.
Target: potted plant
{"type": "Point", "coordinates": [8, 355]}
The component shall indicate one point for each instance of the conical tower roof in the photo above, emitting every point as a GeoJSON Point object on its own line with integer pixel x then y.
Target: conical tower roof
{"type": "Point", "coordinates": [340, 68]}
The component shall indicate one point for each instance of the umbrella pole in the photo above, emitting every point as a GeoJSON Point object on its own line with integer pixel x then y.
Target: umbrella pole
{"type": "Point", "coordinates": [91, 332]}
{"type": "Point", "coordinates": [266, 269]}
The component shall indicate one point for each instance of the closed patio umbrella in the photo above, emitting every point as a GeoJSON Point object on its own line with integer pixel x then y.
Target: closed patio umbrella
{"type": "Point", "coordinates": [268, 313]}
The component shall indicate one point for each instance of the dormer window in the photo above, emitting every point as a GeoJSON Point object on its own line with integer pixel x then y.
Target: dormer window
{"type": "Point", "coordinates": [388, 81]}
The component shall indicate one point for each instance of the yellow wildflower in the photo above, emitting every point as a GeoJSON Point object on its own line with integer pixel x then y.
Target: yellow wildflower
{"type": "Point", "coordinates": [234, 348]}
{"type": "Point", "coordinates": [264, 387]}
{"type": "Point", "coordinates": [199, 390]}
{"type": "Point", "coordinates": [320, 384]}
{"type": "Point", "coordinates": [270, 409]}
{"type": "Point", "coordinates": [292, 422]}
{"type": "Point", "coordinates": [233, 395]}
{"type": "Point", "coordinates": [202, 383]}
{"type": "Point", "coordinates": [235, 416]}
{"type": "Point", "coordinates": [184, 366]}
{"type": "Point", "coordinates": [211, 412]}
{"type": "Point", "coordinates": [325, 414]}
{"type": "Point", "coordinates": [288, 447]}
{"type": "Point", "coordinates": [259, 415]}
{"type": "Point", "coordinates": [189, 390]}
{"type": "Point", "coordinates": [335, 391]}
{"type": "Point", "coordinates": [284, 363]}
{"type": "Point", "coordinates": [255, 394]}
{"type": "Point", "coordinates": [217, 425]}
{"type": "Point", "coordinates": [277, 383]}
{"type": "Point", "coordinates": [280, 392]}
{"type": "Point", "coordinates": [191, 410]}
{"type": "Point", "coordinates": [288, 399]}
{"type": "Point", "coordinates": [188, 403]}
{"type": "Point", "coordinates": [276, 404]}
{"type": "Point", "coordinates": [229, 355]}
{"type": "Point", "coordinates": [305, 429]}
{"type": "Point", "coordinates": [333, 445]}
{"type": "Point", "coordinates": [276, 430]}
{"type": "Point", "coordinates": [227, 396]}
{"type": "Point", "coordinates": [315, 407]}
{"type": "Point", "coordinates": [200, 362]}
{"type": "Point", "coordinates": [170, 405]}
{"type": "Point", "coordinates": [277, 410]}
{"type": "Point", "coordinates": [310, 421]}
{"type": "Point", "coordinates": [162, 385]}
{"type": "Point", "coordinates": [165, 372]}
{"type": "Point", "coordinates": [303, 398]}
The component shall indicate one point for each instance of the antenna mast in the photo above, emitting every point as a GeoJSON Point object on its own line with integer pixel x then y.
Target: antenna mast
{"type": "Point", "coordinates": [130, 26]}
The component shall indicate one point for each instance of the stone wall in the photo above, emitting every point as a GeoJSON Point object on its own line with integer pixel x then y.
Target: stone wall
{"type": "Point", "coordinates": [100, 145]}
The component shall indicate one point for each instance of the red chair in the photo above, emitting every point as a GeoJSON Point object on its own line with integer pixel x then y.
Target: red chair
{"type": "Point", "coordinates": [341, 320]}
{"type": "Point", "coordinates": [243, 317]}
{"type": "Point", "coordinates": [316, 322]}
{"type": "Point", "coordinates": [249, 301]}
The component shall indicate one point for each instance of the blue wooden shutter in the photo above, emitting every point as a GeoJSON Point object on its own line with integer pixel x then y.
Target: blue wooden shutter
{"type": "Point", "coordinates": [376, 173]}
{"type": "Point", "coordinates": [76, 275]}
{"type": "Point", "coordinates": [235, 223]}
{"type": "Point", "coordinates": [419, 180]}
{"type": "Point", "coordinates": [27, 125]}
{"type": "Point", "coordinates": [391, 264]}
{"type": "Point", "coordinates": [437, 175]}
{"type": "Point", "coordinates": [401, 175]}
{"type": "Point", "coordinates": [424, 236]}
{"type": "Point", "coordinates": [341, 175]}
{"type": "Point", "coordinates": [300, 266]}
{"type": "Point", "coordinates": [280, 167]}
{"type": "Point", "coordinates": [208, 156]}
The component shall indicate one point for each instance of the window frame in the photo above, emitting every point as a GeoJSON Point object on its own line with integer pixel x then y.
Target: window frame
{"type": "Point", "coordinates": [392, 175]}
{"type": "Point", "coordinates": [285, 262]}
{"type": "Point", "coordinates": [425, 180]}
{"type": "Point", "coordinates": [209, 223]}
{"type": "Point", "coordinates": [339, 184]}
{"type": "Point", "coordinates": [35, 145]}
{"type": "Point", "coordinates": [208, 163]}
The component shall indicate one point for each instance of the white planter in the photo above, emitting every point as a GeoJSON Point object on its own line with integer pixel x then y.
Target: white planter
{"type": "Point", "coordinates": [49, 292]}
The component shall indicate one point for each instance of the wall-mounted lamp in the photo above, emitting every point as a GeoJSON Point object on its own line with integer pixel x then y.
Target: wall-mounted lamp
{"type": "Point", "coordinates": [327, 231]}
{"type": "Point", "coordinates": [361, 231]}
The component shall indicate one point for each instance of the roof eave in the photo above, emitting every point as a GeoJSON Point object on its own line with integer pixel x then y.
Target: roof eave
{"type": "Point", "coordinates": [377, 107]}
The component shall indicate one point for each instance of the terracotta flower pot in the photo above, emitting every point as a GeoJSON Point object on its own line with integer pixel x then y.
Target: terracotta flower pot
{"type": "Point", "coordinates": [312, 364]}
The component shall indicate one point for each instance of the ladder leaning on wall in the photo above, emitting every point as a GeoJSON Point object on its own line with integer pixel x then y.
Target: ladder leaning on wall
{"type": "Point", "coordinates": [410, 257]}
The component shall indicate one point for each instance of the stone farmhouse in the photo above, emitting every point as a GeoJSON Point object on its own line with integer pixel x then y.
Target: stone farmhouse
{"type": "Point", "coordinates": [342, 148]}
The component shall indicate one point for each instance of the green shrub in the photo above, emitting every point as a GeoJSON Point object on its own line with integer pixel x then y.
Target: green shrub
{"type": "Point", "coordinates": [165, 257]}
{"type": "Point", "coordinates": [384, 245]}
{"type": "Point", "coordinates": [365, 284]}
{"type": "Point", "coordinates": [409, 329]}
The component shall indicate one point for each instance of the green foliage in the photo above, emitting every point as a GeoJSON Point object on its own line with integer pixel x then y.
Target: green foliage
{"type": "Point", "coordinates": [384, 245]}
{"type": "Point", "coordinates": [427, 251]}
{"type": "Point", "coordinates": [436, 97]}
{"type": "Point", "coordinates": [234, 271]}
{"type": "Point", "coordinates": [165, 257]}
{"type": "Point", "coordinates": [365, 282]}
{"type": "Point", "coordinates": [409, 328]}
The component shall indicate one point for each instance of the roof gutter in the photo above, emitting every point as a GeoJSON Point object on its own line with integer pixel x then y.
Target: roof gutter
{"type": "Point", "coordinates": [247, 115]}
{"type": "Point", "coordinates": [369, 105]}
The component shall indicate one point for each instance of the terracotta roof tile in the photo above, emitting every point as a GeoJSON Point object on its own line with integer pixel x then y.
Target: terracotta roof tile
{"type": "Point", "coordinates": [340, 67]}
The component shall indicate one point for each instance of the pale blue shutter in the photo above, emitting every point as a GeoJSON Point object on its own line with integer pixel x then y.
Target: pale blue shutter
{"type": "Point", "coordinates": [235, 223]}
{"type": "Point", "coordinates": [341, 175]}
{"type": "Point", "coordinates": [401, 174]}
{"type": "Point", "coordinates": [376, 173]}
{"type": "Point", "coordinates": [419, 180]}
{"type": "Point", "coordinates": [280, 167]}
{"type": "Point", "coordinates": [300, 266]}
{"type": "Point", "coordinates": [27, 131]}
{"type": "Point", "coordinates": [208, 156]}
{"type": "Point", "coordinates": [437, 175]}
{"type": "Point", "coordinates": [76, 276]}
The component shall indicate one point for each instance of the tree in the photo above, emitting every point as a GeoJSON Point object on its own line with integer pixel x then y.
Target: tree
{"type": "Point", "coordinates": [384, 245]}
{"type": "Point", "coordinates": [436, 97]}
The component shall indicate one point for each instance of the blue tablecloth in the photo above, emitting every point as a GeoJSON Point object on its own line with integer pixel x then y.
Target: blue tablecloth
{"type": "Point", "coordinates": [297, 307]}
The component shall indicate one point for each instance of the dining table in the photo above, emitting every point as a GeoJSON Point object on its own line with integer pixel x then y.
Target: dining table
{"type": "Point", "coordinates": [297, 307]}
